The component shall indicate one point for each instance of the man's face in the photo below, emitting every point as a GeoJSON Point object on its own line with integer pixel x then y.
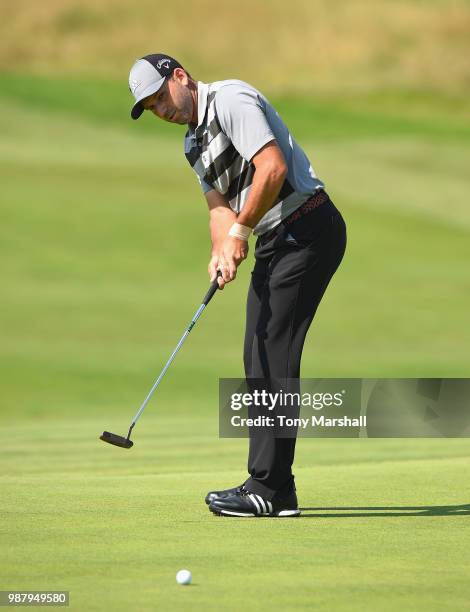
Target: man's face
{"type": "Point", "coordinates": [173, 101]}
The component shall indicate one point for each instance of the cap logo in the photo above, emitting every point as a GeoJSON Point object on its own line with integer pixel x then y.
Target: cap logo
{"type": "Point", "coordinates": [165, 63]}
{"type": "Point", "coordinates": [134, 85]}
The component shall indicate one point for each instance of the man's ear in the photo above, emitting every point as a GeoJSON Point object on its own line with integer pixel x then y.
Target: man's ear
{"type": "Point", "coordinates": [180, 75]}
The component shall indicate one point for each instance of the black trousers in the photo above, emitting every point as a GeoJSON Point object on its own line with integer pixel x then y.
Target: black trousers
{"type": "Point", "coordinates": [294, 264]}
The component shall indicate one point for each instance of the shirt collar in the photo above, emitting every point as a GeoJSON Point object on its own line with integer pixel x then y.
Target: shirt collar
{"type": "Point", "coordinates": [202, 93]}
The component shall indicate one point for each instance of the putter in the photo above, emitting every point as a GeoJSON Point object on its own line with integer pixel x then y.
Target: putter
{"type": "Point", "coordinates": [111, 438]}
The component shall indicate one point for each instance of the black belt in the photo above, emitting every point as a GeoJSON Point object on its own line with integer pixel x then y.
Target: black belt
{"type": "Point", "coordinates": [317, 199]}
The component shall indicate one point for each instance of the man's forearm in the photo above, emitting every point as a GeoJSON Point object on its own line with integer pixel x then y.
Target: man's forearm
{"type": "Point", "coordinates": [264, 190]}
{"type": "Point", "coordinates": [221, 220]}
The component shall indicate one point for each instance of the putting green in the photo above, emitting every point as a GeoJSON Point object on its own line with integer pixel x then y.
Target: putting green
{"type": "Point", "coordinates": [384, 525]}
{"type": "Point", "coordinates": [105, 244]}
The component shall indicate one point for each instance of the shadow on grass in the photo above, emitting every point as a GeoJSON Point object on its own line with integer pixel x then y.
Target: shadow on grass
{"type": "Point", "coordinates": [381, 511]}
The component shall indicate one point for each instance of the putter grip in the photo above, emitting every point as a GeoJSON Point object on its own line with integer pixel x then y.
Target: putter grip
{"type": "Point", "coordinates": [213, 288]}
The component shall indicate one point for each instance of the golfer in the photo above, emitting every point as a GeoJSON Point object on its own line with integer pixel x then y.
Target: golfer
{"type": "Point", "coordinates": [256, 179]}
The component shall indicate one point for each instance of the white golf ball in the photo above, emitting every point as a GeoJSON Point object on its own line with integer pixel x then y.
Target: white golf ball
{"type": "Point", "coordinates": [184, 577]}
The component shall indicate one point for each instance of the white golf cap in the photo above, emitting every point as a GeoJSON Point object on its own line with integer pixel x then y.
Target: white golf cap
{"type": "Point", "coordinates": [146, 77]}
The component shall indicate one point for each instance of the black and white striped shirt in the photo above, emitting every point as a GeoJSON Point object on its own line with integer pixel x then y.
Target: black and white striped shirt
{"type": "Point", "coordinates": [234, 122]}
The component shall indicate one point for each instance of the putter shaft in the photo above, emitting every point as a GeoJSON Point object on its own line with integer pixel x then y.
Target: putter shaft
{"type": "Point", "coordinates": [210, 294]}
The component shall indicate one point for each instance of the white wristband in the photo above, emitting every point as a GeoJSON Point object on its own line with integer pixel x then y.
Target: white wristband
{"type": "Point", "coordinates": [240, 231]}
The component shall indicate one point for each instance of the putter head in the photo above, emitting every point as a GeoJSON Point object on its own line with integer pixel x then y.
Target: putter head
{"type": "Point", "coordinates": [111, 438]}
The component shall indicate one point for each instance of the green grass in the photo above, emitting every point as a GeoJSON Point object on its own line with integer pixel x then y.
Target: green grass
{"type": "Point", "coordinates": [104, 250]}
{"type": "Point", "coordinates": [339, 46]}
{"type": "Point", "coordinates": [384, 526]}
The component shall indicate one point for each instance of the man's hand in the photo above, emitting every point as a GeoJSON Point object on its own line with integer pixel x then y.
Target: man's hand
{"type": "Point", "coordinates": [232, 252]}
{"type": "Point", "coordinates": [213, 267]}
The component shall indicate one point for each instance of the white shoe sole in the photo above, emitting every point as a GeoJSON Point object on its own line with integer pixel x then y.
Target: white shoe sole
{"type": "Point", "coordinates": [288, 513]}
{"type": "Point", "coordinates": [279, 514]}
{"type": "Point", "coordinates": [230, 513]}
